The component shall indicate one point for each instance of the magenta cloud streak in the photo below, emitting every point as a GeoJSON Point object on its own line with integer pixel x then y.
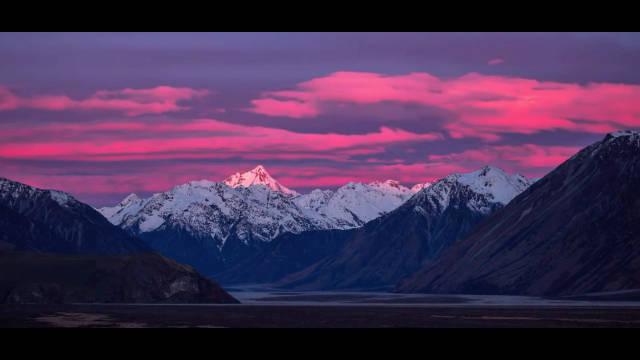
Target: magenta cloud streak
{"type": "Point", "coordinates": [131, 102]}
{"type": "Point", "coordinates": [486, 106]}
{"type": "Point", "coordinates": [486, 109]}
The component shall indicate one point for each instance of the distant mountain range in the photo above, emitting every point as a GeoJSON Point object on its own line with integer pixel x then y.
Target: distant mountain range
{"type": "Point", "coordinates": [54, 248]}
{"type": "Point", "coordinates": [215, 225]}
{"type": "Point", "coordinates": [395, 245]}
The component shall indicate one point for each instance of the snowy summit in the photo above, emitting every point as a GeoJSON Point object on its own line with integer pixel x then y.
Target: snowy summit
{"type": "Point", "coordinates": [257, 176]}
{"type": "Point", "coordinates": [478, 190]}
{"type": "Point", "coordinates": [492, 181]}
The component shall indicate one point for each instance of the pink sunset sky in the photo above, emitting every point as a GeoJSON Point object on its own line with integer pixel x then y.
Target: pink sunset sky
{"type": "Point", "coordinates": [201, 106]}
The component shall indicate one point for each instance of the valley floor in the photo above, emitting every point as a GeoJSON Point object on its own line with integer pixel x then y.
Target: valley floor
{"type": "Point", "coordinates": [335, 309]}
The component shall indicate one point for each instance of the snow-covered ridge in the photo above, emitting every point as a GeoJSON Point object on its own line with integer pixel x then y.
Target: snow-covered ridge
{"type": "Point", "coordinates": [353, 204]}
{"type": "Point", "coordinates": [478, 189]}
{"type": "Point", "coordinates": [12, 189]}
{"type": "Point", "coordinates": [254, 205]}
{"type": "Point", "coordinates": [492, 181]}
{"type": "Point", "coordinates": [620, 133]}
{"type": "Point", "coordinates": [210, 209]}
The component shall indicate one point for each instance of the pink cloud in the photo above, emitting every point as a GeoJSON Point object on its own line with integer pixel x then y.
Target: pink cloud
{"type": "Point", "coordinates": [197, 139]}
{"type": "Point", "coordinates": [288, 108]}
{"type": "Point", "coordinates": [512, 156]}
{"type": "Point", "coordinates": [95, 144]}
{"type": "Point", "coordinates": [247, 145]}
{"type": "Point", "coordinates": [486, 106]}
{"type": "Point", "coordinates": [132, 102]}
{"type": "Point", "coordinates": [496, 61]}
{"type": "Point", "coordinates": [8, 101]}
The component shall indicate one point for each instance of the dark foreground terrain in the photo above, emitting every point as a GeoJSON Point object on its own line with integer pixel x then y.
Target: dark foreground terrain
{"type": "Point", "coordinates": [132, 316]}
{"type": "Point", "coordinates": [269, 308]}
{"type": "Point", "coordinates": [29, 277]}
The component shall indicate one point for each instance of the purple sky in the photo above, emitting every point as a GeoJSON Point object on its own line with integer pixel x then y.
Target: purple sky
{"type": "Point", "coordinates": [101, 115]}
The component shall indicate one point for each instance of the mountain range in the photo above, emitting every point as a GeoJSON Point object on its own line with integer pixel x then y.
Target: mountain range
{"type": "Point", "coordinates": [215, 225]}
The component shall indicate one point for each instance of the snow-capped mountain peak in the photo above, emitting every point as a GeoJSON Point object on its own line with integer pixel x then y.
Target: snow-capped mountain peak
{"type": "Point", "coordinates": [129, 206]}
{"type": "Point", "coordinates": [493, 181]}
{"type": "Point", "coordinates": [257, 176]}
{"type": "Point", "coordinates": [478, 190]}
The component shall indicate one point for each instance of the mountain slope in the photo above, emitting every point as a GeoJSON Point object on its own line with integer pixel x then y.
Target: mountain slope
{"type": "Point", "coordinates": [53, 221]}
{"type": "Point", "coordinates": [286, 254]}
{"type": "Point", "coordinates": [54, 248]}
{"type": "Point", "coordinates": [397, 244]}
{"type": "Point", "coordinates": [577, 230]}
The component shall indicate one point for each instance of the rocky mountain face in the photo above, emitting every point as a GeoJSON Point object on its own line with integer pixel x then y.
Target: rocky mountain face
{"type": "Point", "coordinates": [215, 225]}
{"type": "Point", "coordinates": [391, 247]}
{"type": "Point", "coordinates": [54, 248]}
{"type": "Point", "coordinates": [575, 231]}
